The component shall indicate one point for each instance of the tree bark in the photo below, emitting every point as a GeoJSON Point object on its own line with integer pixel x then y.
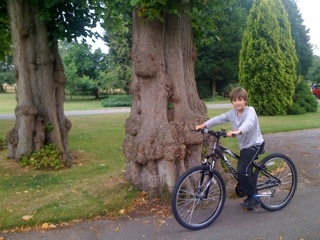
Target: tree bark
{"type": "Point", "coordinates": [214, 87]}
{"type": "Point", "coordinates": [40, 77]}
{"type": "Point", "coordinates": [159, 145]}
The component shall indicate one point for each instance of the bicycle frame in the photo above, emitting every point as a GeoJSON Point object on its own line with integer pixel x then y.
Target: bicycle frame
{"type": "Point", "coordinates": [221, 152]}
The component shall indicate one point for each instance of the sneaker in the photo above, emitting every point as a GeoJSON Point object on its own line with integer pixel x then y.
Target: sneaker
{"type": "Point", "coordinates": [245, 202]}
{"type": "Point", "coordinates": [253, 202]}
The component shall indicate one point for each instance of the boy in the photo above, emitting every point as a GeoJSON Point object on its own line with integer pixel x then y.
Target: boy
{"type": "Point", "coordinates": [245, 125]}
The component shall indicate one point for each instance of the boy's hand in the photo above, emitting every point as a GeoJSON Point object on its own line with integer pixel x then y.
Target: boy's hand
{"type": "Point", "coordinates": [233, 133]}
{"type": "Point", "coordinates": [201, 126]}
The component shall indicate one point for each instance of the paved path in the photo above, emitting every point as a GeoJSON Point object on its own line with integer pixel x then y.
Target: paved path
{"type": "Point", "coordinates": [107, 111]}
{"type": "Point", "coordinates": [115, 110]}
{"type": "Point", "coordinates": [299, 220]}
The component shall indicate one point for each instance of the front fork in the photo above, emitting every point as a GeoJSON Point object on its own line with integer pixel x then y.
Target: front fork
{"type": "Point", "coordinates": [204, 193]}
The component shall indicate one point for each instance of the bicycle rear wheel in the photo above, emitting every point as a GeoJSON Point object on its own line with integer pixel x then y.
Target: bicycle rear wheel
{"type": "Point", "coordinates": [198, 197]}
{"type": "Point", "coordinates": [277, 183]}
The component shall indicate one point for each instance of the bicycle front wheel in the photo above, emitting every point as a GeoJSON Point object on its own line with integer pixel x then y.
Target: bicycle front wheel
{"type": "Point", "coordinates": [198, 197]}
{"type": "Point", "coordinates": [277, 182]}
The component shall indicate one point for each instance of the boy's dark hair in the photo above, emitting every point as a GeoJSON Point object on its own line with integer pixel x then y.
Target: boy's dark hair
{"type": "Point", "coordinates": [238, 93]}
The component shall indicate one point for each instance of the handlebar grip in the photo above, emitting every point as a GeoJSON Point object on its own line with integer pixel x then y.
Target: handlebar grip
{"type": "Point", "coordinates": [202, 130]}
{"type": "Point", "coordinates": [199, 130]}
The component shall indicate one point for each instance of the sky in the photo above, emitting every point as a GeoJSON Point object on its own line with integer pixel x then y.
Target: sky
{"type": "Point", "coordinates": [98, 43]}
{"type": "Point", "coordinates": [309, 10]}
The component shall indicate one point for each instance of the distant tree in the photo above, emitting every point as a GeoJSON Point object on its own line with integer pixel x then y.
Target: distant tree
{"type": "Point", "coordinates": [217, 62]}
{"type": "Point", "coordinates": [85, 67]}
{"type": "Point", "coordinates": [118, 77]}
{"type": "Point", "coordinates": [300, 36]}
{"type": "Point", "coordinates": [314, 70]}
{"type": "Point", "coordinates": [268, 58]}
{"type": "Point", "coordinates": [73, 79]}
{"type": "Point", "coordinates": [6, 71]}
{"type": "Point", "coordinates": [118, 36]}
{"type": "Point", "coordinates": [5, 36]}
{"type": "Point", "coordinates": [6, 75]}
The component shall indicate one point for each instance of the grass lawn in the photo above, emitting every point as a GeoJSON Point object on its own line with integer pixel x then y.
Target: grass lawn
{"type": "Point", "coordinates": [95, 185]}
{"type": "Point", "coordinates": [8, 103]}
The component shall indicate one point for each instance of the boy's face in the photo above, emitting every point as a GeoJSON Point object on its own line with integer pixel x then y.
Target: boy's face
{"type": "Point", "coordinates": [239, 104]}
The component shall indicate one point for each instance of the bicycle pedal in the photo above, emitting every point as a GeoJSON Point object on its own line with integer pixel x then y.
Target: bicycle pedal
{"type": "Point", "coordinates": [250, 209]}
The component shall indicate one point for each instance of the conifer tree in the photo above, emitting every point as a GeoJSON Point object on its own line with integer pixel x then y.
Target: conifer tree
{"type": "Point", "coordinates": [267, 66]}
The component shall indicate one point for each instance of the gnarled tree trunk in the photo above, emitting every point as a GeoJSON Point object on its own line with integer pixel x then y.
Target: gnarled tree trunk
{"type": "Point", "coordinates": [40, 79]}
{"type": "Point", "coordinates": [159, 145]}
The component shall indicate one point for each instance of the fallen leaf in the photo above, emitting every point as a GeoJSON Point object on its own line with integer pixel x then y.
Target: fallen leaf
{"type": "Point", "coordinates": [45, 226]}
{"type": "Point", "coordinates": [52, 226]}
{"type": "Point", "coordinates": [27, 217]}
{"type": "Point", "coordinates": [48, 226]}
{"type": "Point", "coordinates": [160, 222]}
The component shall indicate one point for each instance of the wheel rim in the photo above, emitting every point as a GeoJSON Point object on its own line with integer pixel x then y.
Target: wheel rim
{"type": "Point", "coordinates": [196, 207]}
{"type": "Point", "coordinates": [277, 196]}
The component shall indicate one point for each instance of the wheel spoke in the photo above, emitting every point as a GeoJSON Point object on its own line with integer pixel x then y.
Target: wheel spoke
{"type": "Point", "coordinates": [276, 191]}
{"type": "Point", "coordinates": [198, 197]}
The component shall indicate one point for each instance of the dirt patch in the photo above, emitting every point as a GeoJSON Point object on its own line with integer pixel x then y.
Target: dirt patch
{"type": "Point", "coordinates": [146, 207]}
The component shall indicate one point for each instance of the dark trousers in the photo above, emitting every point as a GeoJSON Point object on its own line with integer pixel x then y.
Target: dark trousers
{"type": "Point", "coordinates": [244, 168]}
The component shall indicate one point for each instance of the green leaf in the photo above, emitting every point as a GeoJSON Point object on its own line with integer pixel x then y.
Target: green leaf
{"type": "Point", "coordinates": [134, 2]}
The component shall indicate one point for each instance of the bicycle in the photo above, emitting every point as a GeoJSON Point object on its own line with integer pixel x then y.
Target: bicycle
{"type": "Point", "coordinates": [199, 193]}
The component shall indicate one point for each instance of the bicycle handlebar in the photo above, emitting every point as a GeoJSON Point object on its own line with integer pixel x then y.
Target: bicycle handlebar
{"type": "Point", "coordinates": [217, 134]}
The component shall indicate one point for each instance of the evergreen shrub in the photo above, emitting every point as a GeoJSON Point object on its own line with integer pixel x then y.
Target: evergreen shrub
{"type": "Point", "coordinates": [117, 101]}
{"type": "Point", "coordinates": [303, 100]}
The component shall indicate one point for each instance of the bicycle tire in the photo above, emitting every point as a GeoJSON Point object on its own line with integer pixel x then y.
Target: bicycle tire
{"type": "Point", "coordinates": [191, 206]}
{"type": "Point", "coordinates": [274, 198]}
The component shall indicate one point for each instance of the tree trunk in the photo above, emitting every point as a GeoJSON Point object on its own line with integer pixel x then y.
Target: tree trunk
{"type": "Point", "coordinates": [214, 87]}
{"type": "Point", "coordinates": [159, 145]}
{"type": "Point", "coordinates": [40, 77]}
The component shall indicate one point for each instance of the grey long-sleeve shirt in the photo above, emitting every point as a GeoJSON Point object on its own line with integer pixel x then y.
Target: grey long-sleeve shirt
{"type": "Point", "coordinates": [247, 122]}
